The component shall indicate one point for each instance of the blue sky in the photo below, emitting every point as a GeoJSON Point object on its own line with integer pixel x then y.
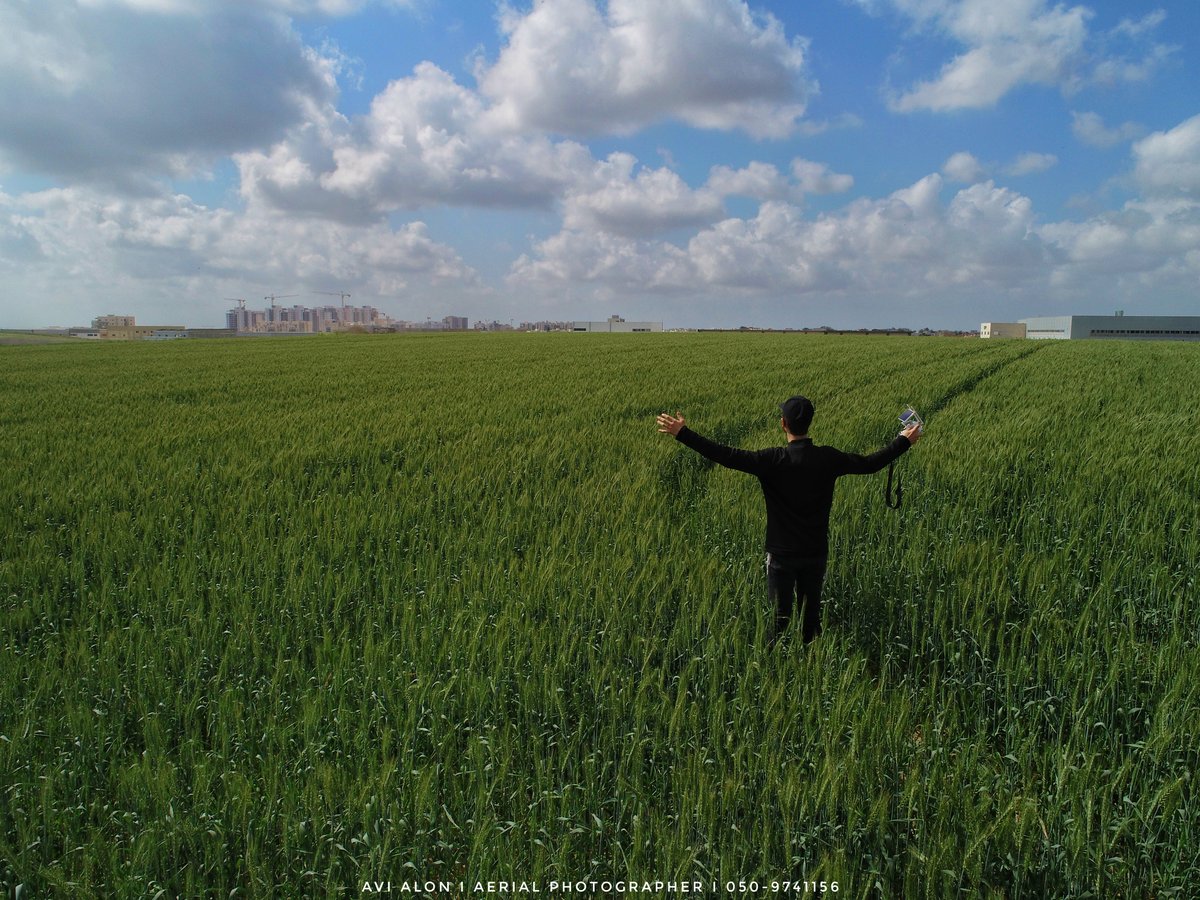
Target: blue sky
{"type": "Point", "coordinates": [703, 162]}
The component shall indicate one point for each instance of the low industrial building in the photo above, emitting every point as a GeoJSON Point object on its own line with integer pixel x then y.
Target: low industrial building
{"type": "Point", "coordinates": [123, 328]}
{"type": "Point", "coordinates": [104, 328]}
{"type": "Point", "coordinates": [617, 324]}
{"type": "Point", "coordinates": [1132, 328]}
{"type": "Point", "coordinates": [1002, 330]}
{"type": "Point", "coordinates": [210, 332]}
{"type": "Point", "coordinates": [110, 321]}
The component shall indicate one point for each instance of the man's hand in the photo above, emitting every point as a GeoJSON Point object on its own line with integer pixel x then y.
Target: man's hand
{"type": "Point", "coordinates": [912, 432]}
{"type": "Point", "coordinates": [669, 424]}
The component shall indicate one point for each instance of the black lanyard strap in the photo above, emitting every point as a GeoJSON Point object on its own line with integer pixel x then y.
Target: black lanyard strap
{"type": "Point", "coordinates": [887, 491]}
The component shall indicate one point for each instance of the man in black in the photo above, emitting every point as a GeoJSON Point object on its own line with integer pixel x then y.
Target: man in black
{"type": "Point", "coordinates": [797, 483]}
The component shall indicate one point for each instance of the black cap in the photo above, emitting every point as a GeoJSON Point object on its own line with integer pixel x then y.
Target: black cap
{"type": "Point", "coordinates": [798, 411]}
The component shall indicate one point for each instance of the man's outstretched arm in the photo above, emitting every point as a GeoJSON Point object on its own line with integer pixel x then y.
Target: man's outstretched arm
{"type": "Point", "coordinates": [855, 464]}
{"type": "Point", "coordinates": [730, 457]}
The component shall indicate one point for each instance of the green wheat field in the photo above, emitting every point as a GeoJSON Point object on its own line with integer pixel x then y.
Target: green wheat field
{"type": "Point", "coordinates": [297, 617]}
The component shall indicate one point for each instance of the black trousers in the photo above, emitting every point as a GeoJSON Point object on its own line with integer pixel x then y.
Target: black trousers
{"type": "Point", "coordinates": [791, 581]}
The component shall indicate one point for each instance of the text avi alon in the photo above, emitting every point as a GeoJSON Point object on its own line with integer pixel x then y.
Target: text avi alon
{"type": "Point", "coordinates": [452, 888]}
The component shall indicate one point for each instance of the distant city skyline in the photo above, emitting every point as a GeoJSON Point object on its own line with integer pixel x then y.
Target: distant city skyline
{"type": "Point", "coordinates": [855, 163]}
{"type": "Point", "coordinates": [301, 318]}
{"type": "Point", "coordinates": [246, 319]}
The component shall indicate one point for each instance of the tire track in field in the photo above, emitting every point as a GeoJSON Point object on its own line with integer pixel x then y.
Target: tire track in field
{"type": "Point", "coordinates": [875, 376]}
{"type": "Point", "coordinates": [973, 381]}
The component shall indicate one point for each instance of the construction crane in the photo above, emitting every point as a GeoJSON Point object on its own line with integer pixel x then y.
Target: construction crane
{"type": "Point", "coordinates": [341, 294]}
{"type": "Point", "coordinates": [238, 300]}
{"type": "Point", "coordinates": [274, 297]}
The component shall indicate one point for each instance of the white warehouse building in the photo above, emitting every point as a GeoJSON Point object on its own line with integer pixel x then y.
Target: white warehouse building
{"type": "Point", "coordinates": [616, 323]}
{"type": "Point", "coordinates": [1134, 328]}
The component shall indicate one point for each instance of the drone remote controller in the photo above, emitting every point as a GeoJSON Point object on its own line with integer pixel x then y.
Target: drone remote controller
{"type": "Point", "coordinates": [911, 417]}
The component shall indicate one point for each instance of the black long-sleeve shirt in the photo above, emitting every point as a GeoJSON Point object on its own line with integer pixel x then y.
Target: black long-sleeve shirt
{"type": "Point", "coordinates": [797, 483]}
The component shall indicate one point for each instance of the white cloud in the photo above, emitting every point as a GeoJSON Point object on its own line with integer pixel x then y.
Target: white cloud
{"type": "Point", "coordinates": [911, 247]}
{"type": "Point", "coordinates": [1120, 70]}
{"type": "Point", "coordinates": [1147, 23]}
{"type": "Point", "coordinates": [426, 141]}
{"type": "Point", "coordinates": [570, 68]}
{"type": "Point", "coordinates": [106, 92]}
{"type": "Point", "coordinates": [18, 247]}
{"type": "Point", "coordinates": [811, 128]}
{"type": "Point", "coordinates": [1019, 42]}
{"type": "Point", "coordinates": [578, 258]}
{"type": "Point", "coordinates": [1127, 52]}
{"type": "Point", "coordinates": [1010, 44]}
{"type": "Point", "coordinates": [1148, 244]}
{"type": "Point", "coordinates": [79, 242]}
{"type": "Point", "coordinates": [653, 201]}
{"type": "Point", "coordinates": [1168, 162]}
{"type": "Point", "coordinates": [1031, 164]}
{"type": "Point", "coordinates": [763, 181]}
{"type": "Point", "coordinates": [759, 180]}
{"type": "Point", "coordinates": [1089, 127]}
{"type": "Point", "coordinates": [963, 167]}
{"type": "Point", "coordinates": [818, 178]}
{"type": "Point", "coordinates": [902, 245]}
